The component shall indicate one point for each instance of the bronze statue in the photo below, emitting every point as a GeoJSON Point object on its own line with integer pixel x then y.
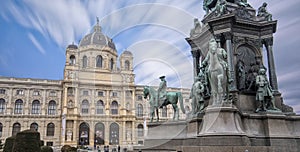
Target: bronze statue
{"type": "Point", "coordinates": [241, 75]}
{"type": "Point", "coordinates": [262, 12]}
{"type": "Point", "coordinates": [216, 68]}
{"type": "Point", "coordinates": [220, 8]}
{"type": "Point", "coordinates": [243, 3]}
{"type": "Point", "coordinates": [171, 98]}
{"type": "Point", "coordinates": [197, 96]}
{"type": "Point", "coordinates": [264, 94]}
{"type": "Point", "coordinates": [197, 28]}
{"type": "Point", "coordinates": [162, 92]}
{"type": "Point", "coordinates": [204, 79]}
{"type": "Point", "coordinates": [252, 73]}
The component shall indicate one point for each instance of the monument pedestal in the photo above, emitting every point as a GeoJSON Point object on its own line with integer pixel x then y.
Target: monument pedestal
{"type": "Point", "coordinates": [221, 121]}
{"type": "Point", "coordinates": [164, 136]}
{"type": "Point", "coordinates": [226, 129]}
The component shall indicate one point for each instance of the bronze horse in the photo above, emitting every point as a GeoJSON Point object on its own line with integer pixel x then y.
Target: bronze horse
{"type": "Point", "coordinates": [172, 98]}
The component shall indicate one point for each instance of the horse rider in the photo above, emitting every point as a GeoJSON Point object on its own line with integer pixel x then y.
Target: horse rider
{"type": "Point", "coordinates": [162, 92]}
{"type": "Point", "coordinates": [221, 54]}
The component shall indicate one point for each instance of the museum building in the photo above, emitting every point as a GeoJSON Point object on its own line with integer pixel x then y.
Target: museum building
{"type": "Point", "coordinates": [97, 102]}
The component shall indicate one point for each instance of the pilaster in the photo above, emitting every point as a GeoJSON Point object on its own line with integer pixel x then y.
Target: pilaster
{"type": "Point", "coordinates": [231, 69]}
{"type": "Point", "coordinates": [271, 64]}
{"type": "Point", "coordinates": [196, 63]}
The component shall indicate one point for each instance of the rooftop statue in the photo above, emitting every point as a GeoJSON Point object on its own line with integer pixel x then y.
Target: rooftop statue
{"type": "Point", "coordinates": [216, 69]}
{"type": "Point", "coordinates": [220, 5]}
{"type": "Point", "coordinates": [220, 8]}
{"type": "Point", "coordinates": [243, 3]}
{"type": "Point", "coordinates": [262, 12]}
{"type": "Point", "coordinates": [197, 28]}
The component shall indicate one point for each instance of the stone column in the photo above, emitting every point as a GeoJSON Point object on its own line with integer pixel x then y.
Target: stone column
{"type": "Point", "coordinates": [124, 133]}
{"type": "Point", "coordinates": [133, 137]}
{"type": "Point", "coordinates": [231, 69]}
{"type": "Point", "coordinates": [196, 56]}
{"type": "Point", "coordinates": [271, 64]}
{"type": "Point", "coordinates": [106, 133]}
{"type": "Point", "coordinates": [75, 132]}
{"type": "Point", "coordinates": [92, 133]}
{"type": "Point", "coordinates": [76, 102]}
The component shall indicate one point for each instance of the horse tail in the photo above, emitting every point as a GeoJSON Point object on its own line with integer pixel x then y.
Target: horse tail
{"type": "Point", "coordinates": [181, 101]}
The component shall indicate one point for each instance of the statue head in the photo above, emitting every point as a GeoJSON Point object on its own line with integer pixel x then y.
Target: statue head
{"type": "Point", "coordinates": [162, 77]}
{"type": "Point", "coordinates": [213, 45]}
{"type": "Point", "coordinates": [264, 4]}
{"type": "Point", "coordinates": [262, 71]}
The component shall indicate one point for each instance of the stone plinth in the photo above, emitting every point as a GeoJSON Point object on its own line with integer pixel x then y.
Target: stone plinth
{"type": "Point", "coordinates": [221, 121]}
{"type": "Point", "coordinates": [165, 135]}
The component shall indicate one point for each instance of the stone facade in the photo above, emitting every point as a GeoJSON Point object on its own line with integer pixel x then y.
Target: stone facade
{"type": "Point", "coordinates": [97, 102]}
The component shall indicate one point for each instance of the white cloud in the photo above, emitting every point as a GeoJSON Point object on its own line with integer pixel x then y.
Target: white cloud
{"type": "Point", "coordinates": [36, 44]}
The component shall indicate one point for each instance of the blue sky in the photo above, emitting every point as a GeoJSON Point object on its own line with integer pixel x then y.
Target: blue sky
{"type": "Point", "coordinates": [35, 34]}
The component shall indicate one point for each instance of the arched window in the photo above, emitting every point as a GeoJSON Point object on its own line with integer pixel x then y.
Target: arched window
{"type": "Point", "coordinates": [19, 106]}
{"type": "Point", "coordinates": [52, 108]}
{"type": "Point", "coordinates": [50, 129]}
{"type": "Point", "coordinates": [127, 65]}
{"type": "Point", "coordinates": [140, 110]}
{"type": "Point", "coordinates": [2, 105]}
{"type": "Point", "coordinates": [84, 133]}
{"type": "Point", "coordinates": [114, 134]}
{"type": "Point", "coordinates": [84, 61]}
{"type": "Point", "coordinates": [1, 128]}
{"type": "Point", "coordinates": [34, 126]}
{"type": "Point", "coordinates": [99, 134]}
{"type": "Point", "coordinates": [100, 107]}
{"type": "Point", "coordinates": [99, 61]}
{"type": "Point", "coordinates": [16, 128]}
{"type": "Point", "coordinates": [72, 60]}
{"type": "Point", "coordinates": [36, 106]}
{"type": "Point", "coordinates": [85, 107]}
{"type": "Point", "coordinates": [164, 112]}
{"type": "Point", "coordinates": [111, 64]}
{"type": "Point", "coordinates": [114, 108]}
{"type": "Point", "coordinates": [140, 130]}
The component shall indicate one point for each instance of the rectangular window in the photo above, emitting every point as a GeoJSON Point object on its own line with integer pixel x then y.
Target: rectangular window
{"type": "Point", "coordinates": [85, 93]}
{"type": "Point", "coordinates": [18, 108]}
{"type": "Point", "coordinates": [2, 91]}
{"type": "Point", "coordinates": [2, 105]}
{"type": "Point", "coordinates": [140, 98]}
{"type": "Point", "coordinates": [114, 94]}
{"type": "Point", "coordinates": [99, 111]}
{"type": "Point", "coordinates": [140, 142]}
{"type": "Point", "coordinates": [84, 110]}
{"type": "Point", "coordinates": [52, 94]}
{"type": "Point", "coordinates": [20, 92]}
{"type": "Point", "coordinates": [114, 111]}
{"type": "Point", "coordinates": [100, 93]}
{"type": "Point", "coordinates": [51, 108]}
{"type": "Point", "coordinates": [36, 93]}
{"type": "Point", "coordinates": [35, 108]}
{"type": "Point", "coordinates": [49, 143]}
